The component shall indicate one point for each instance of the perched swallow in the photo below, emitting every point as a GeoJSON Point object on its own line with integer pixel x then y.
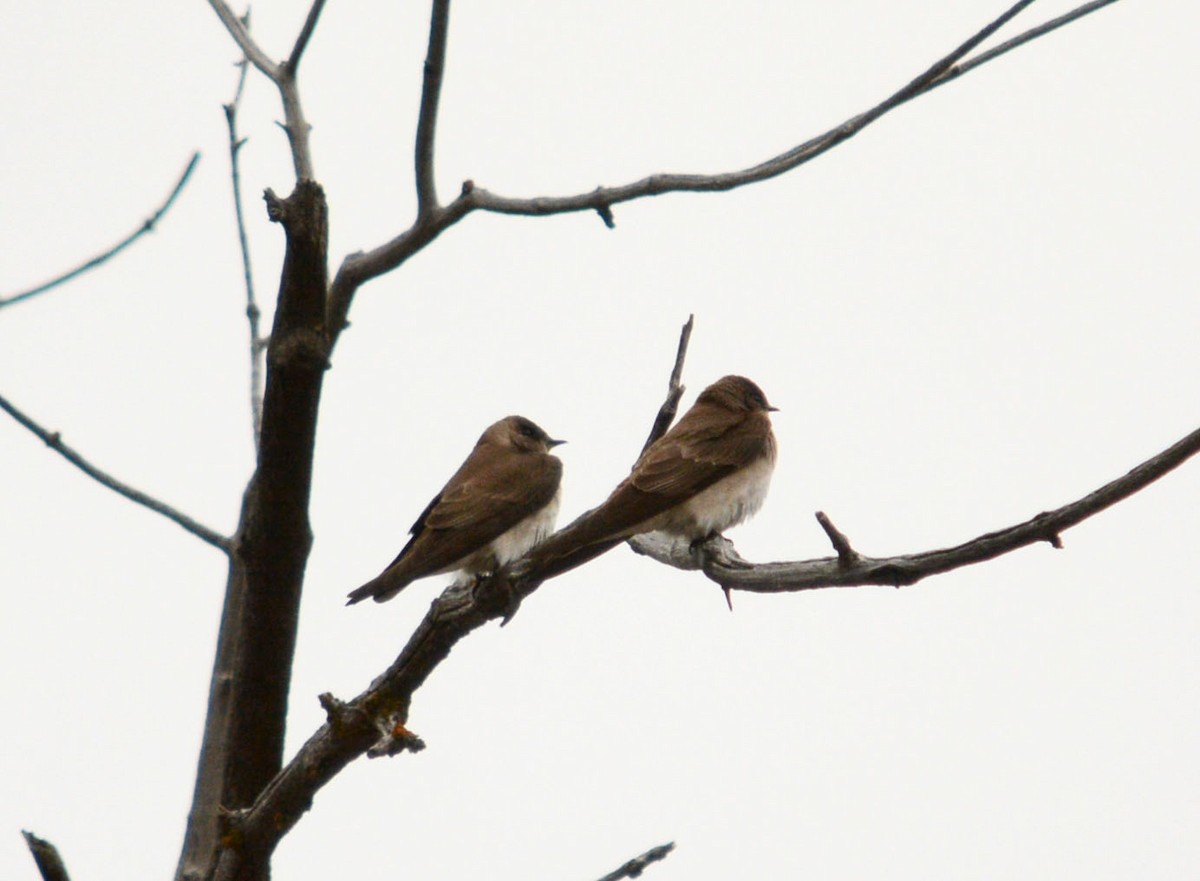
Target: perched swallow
{"type": "Point", "coordinates": [709, 472]}
{"type": "Point", "coordinates": [502, 500]}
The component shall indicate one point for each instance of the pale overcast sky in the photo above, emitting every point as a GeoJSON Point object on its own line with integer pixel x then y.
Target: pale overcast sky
{"type": "Point", "coordinates": [982, 307]}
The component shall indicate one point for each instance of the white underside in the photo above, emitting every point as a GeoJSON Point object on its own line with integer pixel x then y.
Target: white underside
{"type": "Point", "coordinates": [724, 504]}
{"type": "Point", "coordinates": [511, 545]}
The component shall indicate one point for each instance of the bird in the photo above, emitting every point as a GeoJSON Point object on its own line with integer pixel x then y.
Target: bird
{"type": "Point", "coordinates": [501, 501]}
{"type": "Point", "coordinates": [711, 471]}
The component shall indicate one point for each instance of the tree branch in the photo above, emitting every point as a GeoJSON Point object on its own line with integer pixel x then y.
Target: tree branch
{"type": "Point", "coordinates": [675, 389]}
{"type": "Point", "coordinates": [361, 267]}
{"type": "Point", "coordinates": [356, 727]}
{"type": "Point", "coordinates": [54, 440]}
{"type": "Point", "coordinates": [146, 226]}
{"type": "Point", "coordinates": [431, 89]}
{"type": "Point", "coordinates": [720, 561]}
{"type": "Point", "coordinates": [1019, 40]}
{"type": "Point", "coordinates": [45, 855]}
{"type": "Point", "coordinates": [283, 75]}
{"type": "Point", "coordinates": [253, 313]}
{"type": "Point", "coordinates": [637, 865]}
{"type": "Point", "coordinates": [306, 32]}
{"type": "Point", "coordinates": [603, 198]}
{"type": "Point", "coordinates": [241, 36]}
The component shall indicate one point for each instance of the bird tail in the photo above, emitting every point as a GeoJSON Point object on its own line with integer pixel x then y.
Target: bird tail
{"type": "Point", "coordinates": [380, 589]}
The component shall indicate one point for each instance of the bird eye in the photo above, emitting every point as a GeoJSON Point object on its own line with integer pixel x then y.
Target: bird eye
{"type": "Point", "coordinates": [528, 429]}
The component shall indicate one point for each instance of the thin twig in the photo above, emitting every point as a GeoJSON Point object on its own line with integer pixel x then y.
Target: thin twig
{"type": "Point", "coordinates": [283, 76]}
{"type": "Point", "coordinates": [637, 865]}
{"type": "Point", "coordinates": [146, 226]}
{"type": "Point", "coordinates": [1019, 40]}
{"type": "Point", "coordinates": [361, 267]}
{"type": "Point", "coordinates": [675, 389]}
{"type": "Point", "coordinates": [253, 313]}
{"type": "Point", "coordinates": [45, 855]}
{"type": "Point", "coordinates": [306, 32]}
{"type": "Point", "coordinates": [658, 184]}
{"type": "Point", "coordinates": [431, 90]}
{"type": "Point", "coordinates": [54, 440]}
{"type": "Point", "coordinates": [245, 42]}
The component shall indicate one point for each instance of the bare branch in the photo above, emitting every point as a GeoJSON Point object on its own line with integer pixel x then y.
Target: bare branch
{"type": "Point", "coordinates": [847, 556]}
{"type": "Point", "coordinates": [721, 562]}
{"type": "Point", "coordinates": [146, 226]}
{"type": "Point", "coordinates": [355, 727]}
{"type": "Point", "coordinates": [54, 440]}
{"type": "Point", "coordinates": [1019, 40]}
{"type": "Point", "coordinates": [431, 90]}
{"type": "Point", "coordinates": [253, 313]}
{"type": "Point", "coordinates": [359, 268]}
{"type": "Point", "coordinates": [241, 36]}
{"type": "Point", "coordinates": [637, 865]}
{"type": "Point", "coordinates": [306, 32]}
{"type": "Point", "coordinates": [603, 198]}
{"type": "Point", "coordinates": [283, 76]}
{"type": "Point", "coordinates": [675, 389]}
{"type": "Point", "coordinates": [45, 855]}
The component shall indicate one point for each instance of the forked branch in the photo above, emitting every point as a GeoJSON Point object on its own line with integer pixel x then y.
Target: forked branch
{"type": "Point", "coordinates": [359, 268]}
{"type": "Point", "coordinates": [356, 726]}
{"type": "Point", "coordinates": [283, 75]}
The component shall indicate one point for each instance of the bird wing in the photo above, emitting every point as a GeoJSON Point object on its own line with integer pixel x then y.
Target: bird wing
{"type": "Point", "coordinates": [465, 516]}
{"type": "Point", "coordinates": [468, 514]}
{"type": "Point", "coordinates": [691, 457]}
{"type": "Point", "coordinates": [698, 456]}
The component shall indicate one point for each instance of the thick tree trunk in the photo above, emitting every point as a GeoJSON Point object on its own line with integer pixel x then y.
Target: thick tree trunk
{"type": "Point", "coordinates": [247, 707]}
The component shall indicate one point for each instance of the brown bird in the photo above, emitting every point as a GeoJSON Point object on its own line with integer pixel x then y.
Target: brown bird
{"type": "Point", "coordinates": [502, 500]}
{"type": "Point", "coordinates": [708, 473]}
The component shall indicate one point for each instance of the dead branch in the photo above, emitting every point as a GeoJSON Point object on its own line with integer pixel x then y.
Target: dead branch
{"type": "Point", "coordinates": [253, 313]}
{"type": "Point", "coordinates": [361, 267]}
{"type": "Point", "coordinates": [675, 389]}
{"type": "Point", "coordinates": [719, 560]}
{"type": "Point", "coordinates": [45, 855]}
{"type": "Point", "coordinates": [463, 609]}
{"type": "Point", "coordinates": [146, 226]}
{"type": "Point", "coordinates": [431, 89]}
{"type": "Point", "coordinates": [637, 865]}
{"type": "Point", "coordinates": [283, 75]}
{"type": "Point", "coordinates": [54, 441]}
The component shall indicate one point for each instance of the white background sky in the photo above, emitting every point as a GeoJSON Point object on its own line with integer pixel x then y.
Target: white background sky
{"type": "Point", "coordinates": [982, 307]}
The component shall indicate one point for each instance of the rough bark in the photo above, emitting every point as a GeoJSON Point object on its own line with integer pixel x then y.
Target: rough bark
{"type": "Point", "coordinates": [243, 737]}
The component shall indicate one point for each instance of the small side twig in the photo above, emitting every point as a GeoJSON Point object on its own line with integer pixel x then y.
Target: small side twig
{"type": "Point", "coordinates": [1022, 38]}
{"type": "Point", "coordinates": [675, 389]}
{"type": "Point", "coordinates": [45, 855]}
{"type": "Point", "coordinates": [146, 226]}
{"type": "Point", "coordinates": [54, 440]}
{"type": "Point", "coordinates": [253, 313]}
{"type": "Point", "coordinates": [847, 556]}
{"type": "Point", "coordinates": [302, 38]}
{"type": "Point", "coordinates": [283, 75]}
{"type": "Point", "coordinates": [431, 90]}
{"type": "Point", "coordinates": [637, 865]}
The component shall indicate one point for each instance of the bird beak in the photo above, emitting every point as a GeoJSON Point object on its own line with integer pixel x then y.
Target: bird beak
{"type": "Point", "coordinates": [552, 443]}
{"type": "Point", "coordinates": [771, 409]}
